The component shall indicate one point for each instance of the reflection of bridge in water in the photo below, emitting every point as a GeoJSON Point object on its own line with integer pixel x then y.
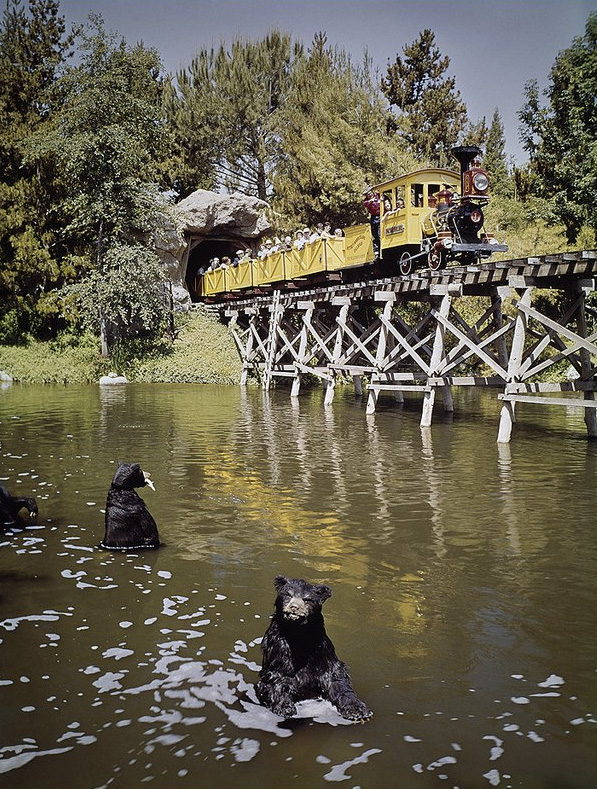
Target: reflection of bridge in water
{"type": "Point", "coordinates": [412, 334]}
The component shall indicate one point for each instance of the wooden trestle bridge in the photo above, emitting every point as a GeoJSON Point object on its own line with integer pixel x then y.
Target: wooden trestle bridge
{"type": "Point", "coordinates": [411, 334]}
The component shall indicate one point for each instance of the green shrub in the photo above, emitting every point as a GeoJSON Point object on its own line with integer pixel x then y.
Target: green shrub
{"type": "Point", "coordinates": [203, 352]}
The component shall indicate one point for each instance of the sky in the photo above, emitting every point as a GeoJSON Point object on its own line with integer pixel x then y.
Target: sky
{"type": "Point", "coordinates": [494, 46]}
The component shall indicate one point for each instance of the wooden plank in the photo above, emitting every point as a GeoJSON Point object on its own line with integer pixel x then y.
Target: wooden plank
{"type": "Point", "coordinates": [548, 386]}
{"type": "Point", "coordinates": [381, 387]}
{"type": "Point", "coordinates": [573, 402]}
{"type": "Point", "coordinates": [384, 295]}
{"type": "Point", "coordinates": [466, 380]}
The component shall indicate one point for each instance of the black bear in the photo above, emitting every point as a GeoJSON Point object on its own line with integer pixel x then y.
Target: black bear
{"type": "Point", "coordinates": [10, 506]}
{"type": "Point", "coordinates": [299, 660]}
{"type": "Point", "coordinates": [129, 524]}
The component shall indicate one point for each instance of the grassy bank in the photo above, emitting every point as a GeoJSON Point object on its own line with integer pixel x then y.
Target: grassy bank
{"type": "Point", "coordinates": [203, 352]}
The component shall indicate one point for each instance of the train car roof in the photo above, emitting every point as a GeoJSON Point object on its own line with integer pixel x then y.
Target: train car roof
{"type": "Point", "coordinates": [412, 176]}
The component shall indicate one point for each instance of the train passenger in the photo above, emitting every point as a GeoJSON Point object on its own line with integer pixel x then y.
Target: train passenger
{"type": "Point", "coordinates": [299, 241]}
{"type": "Point", "coordinates": [371, 202]}
{"type": "Point", "coordinates": [225, 262]}
{"type": "Point", "coordinates": [327, 231]}
{"type": "Point", "coordinates": [240, 257]}
{"type": "Point", "coordinates": [287, 245]}
{"type": "Point", "coordinates": [338, 233]}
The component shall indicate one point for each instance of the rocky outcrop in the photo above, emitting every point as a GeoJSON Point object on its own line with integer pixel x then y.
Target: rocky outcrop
{"type": "Point", "coordinates": [200, 216]}
{"type": "Point", "coordinates": [236, 215]}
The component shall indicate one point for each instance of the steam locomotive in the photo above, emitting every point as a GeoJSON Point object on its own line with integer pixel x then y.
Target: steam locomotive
{"type": "Point", "coordinates": [428, 218]}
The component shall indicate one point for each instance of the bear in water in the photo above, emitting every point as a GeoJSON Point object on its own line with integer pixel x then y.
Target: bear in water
{"type": "Point", "coordinates": [129, 524]}
{"type": "Point", "coordinates": [10, 507]}
{"type": "Point", "coordinates": [299, 660]}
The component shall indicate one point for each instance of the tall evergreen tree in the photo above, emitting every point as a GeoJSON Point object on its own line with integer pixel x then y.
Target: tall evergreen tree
{"type": "Point", "coordinates": [561, 138]}
{"type": "Point", "coordinates": [34, 46]}
{"type": "Point", "coordinates": [334, 137]}
{"type": "Point", "coordinates": [494, 159]}
{"type": "Point", "coordinates": [430, 112]}
{"type": "Point", "coordinates": [224, 112]}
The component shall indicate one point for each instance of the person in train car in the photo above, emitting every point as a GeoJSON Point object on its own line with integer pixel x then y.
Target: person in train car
{"type": "Point", "coordinates": [371, 202]}
{"type": "Point", "coordinates": [327, 231]}
{"type": "Point", "coordinates": [299, 241]}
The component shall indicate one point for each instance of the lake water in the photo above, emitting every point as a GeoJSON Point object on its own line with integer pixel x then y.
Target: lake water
{"type": "Point", "coordinates": [464, 579]}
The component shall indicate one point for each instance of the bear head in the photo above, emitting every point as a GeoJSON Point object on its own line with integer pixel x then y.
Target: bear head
{"type": "Point", "coordinates": [299, 601]}
{"type": "Point", "coordinates": [130, 476]}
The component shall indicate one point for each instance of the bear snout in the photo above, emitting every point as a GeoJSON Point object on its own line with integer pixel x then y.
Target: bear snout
{"type": "Point", "coordinates": [295, 608]}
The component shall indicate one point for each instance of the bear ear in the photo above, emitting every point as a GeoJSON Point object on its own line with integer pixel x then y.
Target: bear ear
{"type": "Point", "coordinates": [323, 591]}
{"type": "Point", "coordinates": [280, 582]}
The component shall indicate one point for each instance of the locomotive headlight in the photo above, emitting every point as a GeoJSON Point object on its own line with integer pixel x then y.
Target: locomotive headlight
{"type": "Point", "coordinates": [480, 182]}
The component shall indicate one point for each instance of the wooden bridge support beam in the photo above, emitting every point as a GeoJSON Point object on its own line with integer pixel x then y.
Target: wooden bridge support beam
{"type": "Point", "coordinates": [304, 337]}
{"type": "Point", "coordinates": [437, 355]}
{"type": "Point", "coordinates": [344, 304]}
{"type": "Point", "coordinates": [507, 415]}
{"type": "Point", "coordinates": [389, 299]}
{"type": "Point", "coordinates": [587, 371]}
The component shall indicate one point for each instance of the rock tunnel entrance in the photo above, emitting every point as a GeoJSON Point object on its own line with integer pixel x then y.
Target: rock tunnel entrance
{"type": "Point", "coordinates": [202, 251]}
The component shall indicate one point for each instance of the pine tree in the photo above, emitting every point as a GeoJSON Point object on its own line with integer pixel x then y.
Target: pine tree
{"type": "Point", "coordinates": [224, 112]}
{"type": "Point", "coordinates": [335, 140]}
{"type": "Point", "coordinates": [34, 46]}
{"type": "Point", "coordinates": [431, 114]}
{"type": "Point", "coordinates": [494, 159]}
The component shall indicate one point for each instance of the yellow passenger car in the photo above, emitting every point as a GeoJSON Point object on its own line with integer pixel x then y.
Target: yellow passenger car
{"type": "Point", "coordinates": [406, 203]}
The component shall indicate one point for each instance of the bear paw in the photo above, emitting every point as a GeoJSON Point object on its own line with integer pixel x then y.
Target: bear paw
{"type": "Point", "coordinates": [285, 708]}
{"type": "Point", "coordinates": [355, 710]}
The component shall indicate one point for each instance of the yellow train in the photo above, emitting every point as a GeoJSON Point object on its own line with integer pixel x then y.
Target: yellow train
{"type": "Point", "coordinates": [427, 218]}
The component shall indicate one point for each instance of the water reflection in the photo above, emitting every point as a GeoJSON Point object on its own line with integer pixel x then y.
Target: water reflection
{"type": "Point", "coordinates": [463, 574]}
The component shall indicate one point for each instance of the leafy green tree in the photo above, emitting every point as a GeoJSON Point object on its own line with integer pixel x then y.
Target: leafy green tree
{"type": "Point", "coordinates": [224, 112]}
{"type": "Point", "coordinates": [430, 112]}
{"type": "Point", "coordinates": [105, 140]}
{"type": "Point", "coordinates": [561, 138]}
{"type": "Point", "coordinates": [34, 47]}
{"type": "Point", "coordinates": [335, 139]}
{"type": "Point", "coordinates": [125, 300]}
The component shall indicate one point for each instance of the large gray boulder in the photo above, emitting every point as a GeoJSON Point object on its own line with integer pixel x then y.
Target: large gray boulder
{"type": "Point", "coordinates": [234, 214]}
{"type": "Point", "coordinates": [200, 216]}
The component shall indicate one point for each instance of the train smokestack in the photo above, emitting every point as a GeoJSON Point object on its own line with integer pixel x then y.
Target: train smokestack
{"type": "Point", "coordinates": [465, 154]}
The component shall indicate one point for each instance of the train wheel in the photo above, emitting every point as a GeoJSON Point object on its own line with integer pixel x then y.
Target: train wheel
{"type": "Point", "coordinates": [435, 260]}
{"type": "Point", "coordinates": [406, 263]}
